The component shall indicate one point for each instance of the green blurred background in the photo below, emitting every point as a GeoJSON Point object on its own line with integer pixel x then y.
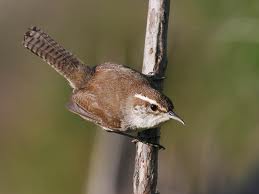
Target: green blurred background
{"type": "Point", "coordinates": [212, 77]}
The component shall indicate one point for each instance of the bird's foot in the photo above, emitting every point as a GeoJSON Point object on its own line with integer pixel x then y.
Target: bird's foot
{"type": "Point", "coordinates": [145, 141]}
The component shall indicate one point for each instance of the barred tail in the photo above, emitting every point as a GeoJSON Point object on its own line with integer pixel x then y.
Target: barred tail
{"type": "Point", "coordinates": [64, 62]}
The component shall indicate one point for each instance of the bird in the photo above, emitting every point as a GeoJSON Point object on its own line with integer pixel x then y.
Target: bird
{"type": "Point", "coordinates": [115, 97]}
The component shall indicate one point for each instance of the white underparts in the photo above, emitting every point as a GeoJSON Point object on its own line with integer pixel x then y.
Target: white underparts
{"type": "Point", "coordinates": [140, 118]}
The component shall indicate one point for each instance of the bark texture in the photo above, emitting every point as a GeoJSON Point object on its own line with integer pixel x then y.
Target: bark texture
{"type": "Point", "coordinates": [155, 62]}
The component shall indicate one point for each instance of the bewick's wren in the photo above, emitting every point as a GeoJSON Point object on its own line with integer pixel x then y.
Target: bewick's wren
{"type": "Point", "coordinates": [115, 97]}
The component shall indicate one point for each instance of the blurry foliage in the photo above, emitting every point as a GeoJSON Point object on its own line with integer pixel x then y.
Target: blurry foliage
{"type": "Point", "coordinates": [212, 78]}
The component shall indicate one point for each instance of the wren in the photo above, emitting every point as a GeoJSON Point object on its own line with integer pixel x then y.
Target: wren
{"type": "Point", "coordinates": [114, 97]}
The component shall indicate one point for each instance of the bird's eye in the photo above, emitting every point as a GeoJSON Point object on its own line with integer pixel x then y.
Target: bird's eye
{"type": "Point", "coordinates": [153, 107]}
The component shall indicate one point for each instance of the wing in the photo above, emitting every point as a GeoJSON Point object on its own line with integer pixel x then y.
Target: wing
{"type": "Point", "coordinates": [85, 105]}
{"type": "Point", "coordinates": [75, 108]}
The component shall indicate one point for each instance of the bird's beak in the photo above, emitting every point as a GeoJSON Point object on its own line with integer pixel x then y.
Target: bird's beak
{"type": "Point", "coordinates": [175, 117]}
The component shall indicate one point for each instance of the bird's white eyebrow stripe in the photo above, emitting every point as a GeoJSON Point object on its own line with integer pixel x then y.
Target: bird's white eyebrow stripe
{"type": "Point", "coordinates": [146, 99]}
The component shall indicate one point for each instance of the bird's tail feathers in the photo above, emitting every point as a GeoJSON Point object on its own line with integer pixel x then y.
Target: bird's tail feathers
{"type": "Point", "coordinates": [64, 62]}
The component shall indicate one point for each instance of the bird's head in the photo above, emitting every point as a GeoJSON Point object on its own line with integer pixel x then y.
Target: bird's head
{"type": "Point", "coordinates": [149, 109]}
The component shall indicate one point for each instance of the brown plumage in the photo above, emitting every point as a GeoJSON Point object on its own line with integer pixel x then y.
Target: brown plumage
{"type": "Point", "coordinates": [121, 84]}
{"type": "Point", "coordinates": [112, 96]}
{"type": "Point", "coordinates": [55, 55]}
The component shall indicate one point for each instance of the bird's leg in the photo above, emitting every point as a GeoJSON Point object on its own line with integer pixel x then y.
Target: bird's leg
{"type": "Point", "coordinates": [140, 139]}
{"type": "Point", "coordinates": [149, 137]}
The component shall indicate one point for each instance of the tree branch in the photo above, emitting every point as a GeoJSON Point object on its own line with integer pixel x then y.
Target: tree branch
{"type": "Point", "coordinates": [155, 62]}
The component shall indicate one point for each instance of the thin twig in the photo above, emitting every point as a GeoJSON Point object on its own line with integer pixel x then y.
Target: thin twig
{"type": "Point", "coordinates": [155, 62]}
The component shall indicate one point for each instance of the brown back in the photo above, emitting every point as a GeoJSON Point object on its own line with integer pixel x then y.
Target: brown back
{"type": "Point", "coordinates": [107, 90]}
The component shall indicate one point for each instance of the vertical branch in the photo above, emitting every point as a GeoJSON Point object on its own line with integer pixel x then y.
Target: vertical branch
{"type": "Point", "coordinates": [155, 62]}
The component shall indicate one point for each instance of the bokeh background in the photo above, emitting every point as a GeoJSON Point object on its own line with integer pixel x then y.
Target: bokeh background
{"type": "Point", "coordinates": [212, 77]}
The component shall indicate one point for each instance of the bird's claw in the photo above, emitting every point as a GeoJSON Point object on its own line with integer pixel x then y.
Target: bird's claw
{"type": "Point", "coordinates": [156, 145]}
